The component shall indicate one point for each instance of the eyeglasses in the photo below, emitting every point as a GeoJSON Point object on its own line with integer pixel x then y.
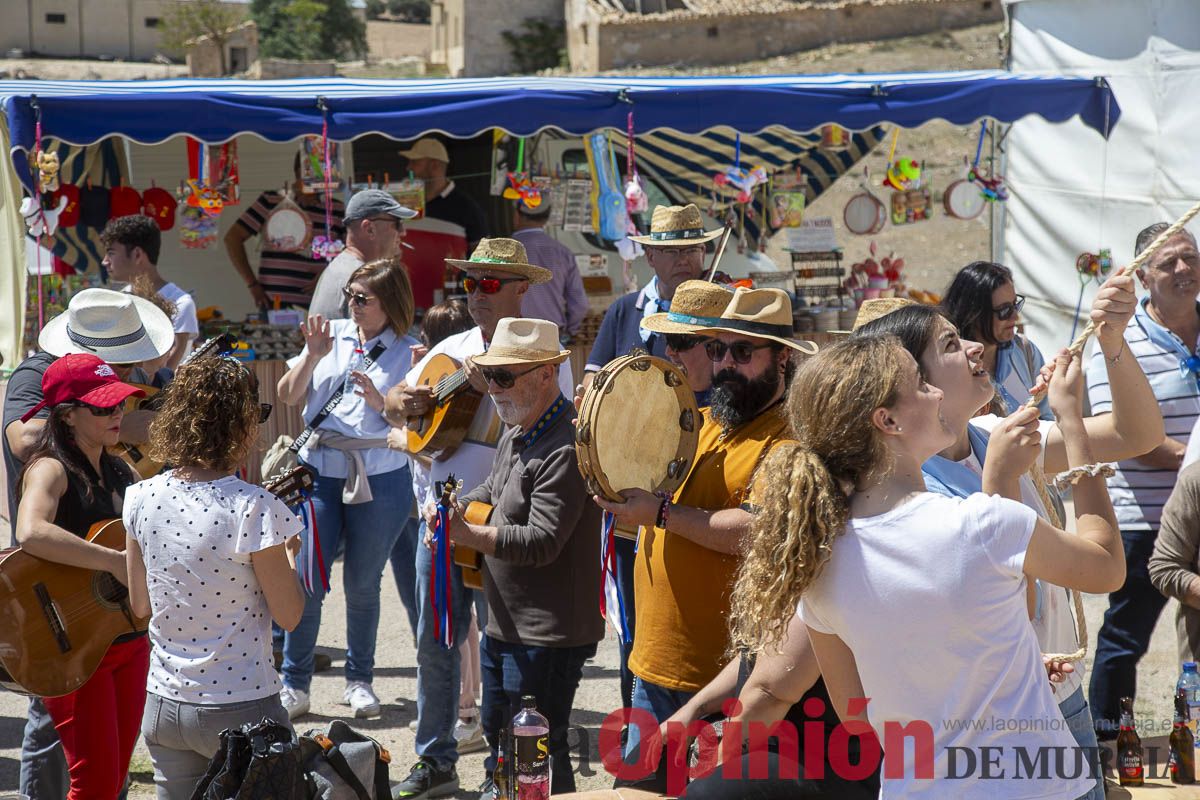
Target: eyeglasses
{"type": "Point", "coordinates": [264, 412]}
{"type": "Point", "coordinates": [97, 411]}
{"type": "Point", "coordinates": [1009, 310]}
{"type": "Point", "coordinates": [677, 253]}
{"type": "Point", "coordinates": [486, 285]}
{"type": "Point", "coordinates": [502, 377]}
{"type": "Point", "coordinates": [742, 351]}
{"type": "Point", "coordinates": [357, 298]}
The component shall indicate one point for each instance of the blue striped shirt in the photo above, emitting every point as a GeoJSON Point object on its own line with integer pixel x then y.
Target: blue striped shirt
{"type": "Point", "coordinates": [1139, 491]}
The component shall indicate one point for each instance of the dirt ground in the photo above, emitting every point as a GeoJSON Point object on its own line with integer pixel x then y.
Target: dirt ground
{"type": "Point", "coordinates": [933, 250]}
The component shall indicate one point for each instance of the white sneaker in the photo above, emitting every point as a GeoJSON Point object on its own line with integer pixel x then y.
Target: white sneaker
{"type": "Point", "coordinates": [295, 701]}
{"type": "Point", "coordinates": [412, 725]}
{"type": "Point", "coordinates": [469, 735]}
{"type": "Point", "coordinates": [361, 697]}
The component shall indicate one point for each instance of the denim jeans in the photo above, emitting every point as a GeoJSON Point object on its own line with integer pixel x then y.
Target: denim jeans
{"type": "Point", "coordinates": [439, 675]}
{"type": "Point", "coordinates": [1079, 719]}
{"type": "Point", "coordinates": [1124, 636]}
{"type": "Point", "coordinates": [551, 675]}
{"type": "Point", "coordinates": [183, 737]}
{"type": "Point", "coordinates": [404, 569]}
{"type": "Point", "coordinates": [367, 533]}
{"type": "Point", "coordinates": [659, 701]}
{"type": "Point", "coordinates": [625, 551]}
{"type": "Point", "coordinates": [43, 765]}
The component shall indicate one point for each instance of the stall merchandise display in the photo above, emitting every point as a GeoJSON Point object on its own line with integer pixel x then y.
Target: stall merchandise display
{"type": "Point", "coordinates": [259, 341]}
{"type": "Point", "coordinates": [57, 291]}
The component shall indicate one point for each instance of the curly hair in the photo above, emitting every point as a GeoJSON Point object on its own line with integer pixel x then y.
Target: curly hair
{"type": "Point", "coordinates": [143, 287]}
{"type": "Point", "coordinates": [803, 497]}
{"type": "Point", "coordinates": [209, 417]}
{"type": "Point", "coordinates": [135, 230]}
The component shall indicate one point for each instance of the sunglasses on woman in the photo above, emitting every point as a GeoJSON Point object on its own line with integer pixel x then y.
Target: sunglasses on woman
{"type": "Point", "coordinates": [742, 351]}
{"type": "Point", "coordinates": [486, 285]}
{"type": "Point", "coordinates": [264, 412]}
{"type": "Point", "coordinates": [502, 377]}
{"type": "Point", "coordinates": [97, 411]}
{"type": "Point", "coordinates": [1009, 310]}
{"type": "Point", "coordinates": [357, 298]}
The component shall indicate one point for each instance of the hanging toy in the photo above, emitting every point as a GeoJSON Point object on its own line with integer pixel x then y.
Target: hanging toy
{"type": "Point", "coordinates": [636, 201]}
{"type": "Point", "coordinates": [327, 246]}
{"type": "Point", "coordinates": [48, 167]}
{"type": "Point", "coordinates": [1094, 265]}
{"type": "Point", "coordinates": [992, 187]}
{"type": "Point", "coordinates": [41, 221]}
{"type": "Point", "coordinates": [903, 174]}
{"type": "Point", "coordinates": [745, 180]}
{"type": "Point", "coordinates": [520, 185]}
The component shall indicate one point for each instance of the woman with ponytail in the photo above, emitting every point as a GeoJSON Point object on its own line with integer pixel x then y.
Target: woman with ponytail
{"type": "Point", "coordinates": [913, 599]}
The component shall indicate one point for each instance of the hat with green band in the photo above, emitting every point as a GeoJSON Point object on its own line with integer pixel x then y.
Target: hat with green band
{"type": "Point", "coordinates": [502, 255]}
{"type": "Point", "coordinates": [695, 303]}
{"type": "Point", "coordinates": [677, 226]}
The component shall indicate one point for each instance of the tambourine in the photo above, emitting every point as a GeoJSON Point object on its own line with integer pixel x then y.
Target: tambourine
{"type": "Point", "coordinates": [963, 199]}
{"type": "Point", "coordinates": [287, 228]}
{"type": "Point", "coordinates": [865, 214]}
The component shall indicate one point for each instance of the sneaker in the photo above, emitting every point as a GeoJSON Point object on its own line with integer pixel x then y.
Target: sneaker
{"type": "Point", "coordinates": [362, 699]}
{"type": "Point", "coordinates": [469, 735]}
{"type": "Point", "coordinates": [412, 725]}
{"type": "Point", "coordinates": [487, 789]}
{"type": "Point", "coordinates": [295, 701]}
{"type": "Point", "coordinates": [425, 780]}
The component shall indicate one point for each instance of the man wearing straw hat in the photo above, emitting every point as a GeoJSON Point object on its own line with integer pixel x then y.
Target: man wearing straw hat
{"type": "Point", "coordinates": [694, 303]}
{"type": "Point", "coordinates": [123, 330]}
{"type": "Point", "coordinates": [691, 542]}
{"type": "Point", "coordinates": [540, 545]}
{"type": "Point", "coordinates": [495, 280]}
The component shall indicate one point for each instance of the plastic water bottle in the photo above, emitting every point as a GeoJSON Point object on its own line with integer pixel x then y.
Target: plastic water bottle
{"type": "Point", "coordinates": [357, 362]}
{"type": "Point", "coordinates": [531, 752]}
{"type": "Point", "coordinates": [1189, 683]}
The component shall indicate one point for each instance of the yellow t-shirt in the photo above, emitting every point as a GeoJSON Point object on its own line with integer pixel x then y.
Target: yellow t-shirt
{"type": "Point", "coordinates": [681, 590]}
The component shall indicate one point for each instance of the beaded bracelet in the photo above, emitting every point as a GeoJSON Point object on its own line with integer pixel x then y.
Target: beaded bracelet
{"type": "Point", "coordinates": [1065, 479]}
{"type": "Point", "coordinates": [664, 511]}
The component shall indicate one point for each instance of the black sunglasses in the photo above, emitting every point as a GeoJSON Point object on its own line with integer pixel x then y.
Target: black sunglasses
{"type": "Point", "coordinates": [742, 351]}
{"type": "Point", "coordinates": [486, 285]}
{"type": "Point", "coordinates": [97, 411]}
{"type": "Point", "coordinates": [502, 377]}
{"type": "Point", "coordinates": [264, 412]}
{"type": "Point", "coordinates": [357, 298]}
{"type": "Point", "coordinates": [682, 342]}
{"type": "Point", "coordinates": [1009, 310]}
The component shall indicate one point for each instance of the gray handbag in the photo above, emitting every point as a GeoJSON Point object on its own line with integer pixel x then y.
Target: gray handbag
{"type": "Point", "coordinates": [343, 764]}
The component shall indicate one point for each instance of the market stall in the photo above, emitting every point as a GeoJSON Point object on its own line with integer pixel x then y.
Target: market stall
{"type": "Point", "coordinates": [709, 140]}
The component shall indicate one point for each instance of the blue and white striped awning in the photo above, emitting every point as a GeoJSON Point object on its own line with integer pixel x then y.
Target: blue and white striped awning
{"type": "Point", "coordinates": [84, 112]}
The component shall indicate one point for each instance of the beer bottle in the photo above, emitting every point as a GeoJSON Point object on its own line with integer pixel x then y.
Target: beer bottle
{"type": "Point", "coordinates": [531, 752]}
{"type": "Point", "coordinates": [1130, 767]}
{"type": "Point", "coordinates": [1183, 748]}
{"type": "Point", "coordinates": [501, 790]}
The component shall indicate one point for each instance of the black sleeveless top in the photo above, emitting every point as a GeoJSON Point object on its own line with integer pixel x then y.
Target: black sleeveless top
{"type": "Point", "coordinates": [77, 512]}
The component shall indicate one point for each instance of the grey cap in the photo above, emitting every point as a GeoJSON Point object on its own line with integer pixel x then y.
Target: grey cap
{"type": "Point", "coordinates": [373, 203]}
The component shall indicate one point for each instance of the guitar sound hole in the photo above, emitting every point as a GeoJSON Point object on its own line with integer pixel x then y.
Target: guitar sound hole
{"type": "Point", "coordinates": [109, 591]}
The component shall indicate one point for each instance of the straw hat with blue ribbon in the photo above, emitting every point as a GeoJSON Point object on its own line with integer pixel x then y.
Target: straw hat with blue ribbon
{"type": "Point", "coordinates": [695, 303]}
{"type": "Point", "coordinates": [502, 255]}
{"type": "Point", "coordinates": [757, 313]}
{"type": "Point", "coordinates": [677, 226]}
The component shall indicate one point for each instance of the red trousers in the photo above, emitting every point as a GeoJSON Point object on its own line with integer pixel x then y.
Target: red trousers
{"type": "Point", "coordinates": [99, 722]}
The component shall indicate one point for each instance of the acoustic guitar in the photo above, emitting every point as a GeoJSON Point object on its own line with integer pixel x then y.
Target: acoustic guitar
{"type": "Point", "coordinates": [468, 558]}
{"type": "Point", "coordinates": [442, 428]}
{"type": "Point", "coordinates": [58, 621]}
{"type": "Point", "coordinates": [137, 455]}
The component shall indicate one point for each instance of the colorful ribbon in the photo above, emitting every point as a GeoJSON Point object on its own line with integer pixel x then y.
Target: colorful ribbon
{"type": "Point", "coordinates": [312, 561]}
{"type": "Point", "coordinates": [610, 596]}
{"type": "Point", "coordinates": [439, 583]}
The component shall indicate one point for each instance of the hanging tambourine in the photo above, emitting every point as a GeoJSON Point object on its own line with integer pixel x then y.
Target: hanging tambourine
{"type": "Point", "coordinates": [963, 199]}
{"type": "Point", "coordinates": [287, 228]}
{"type": "Point", "coordinates": [865, 214]}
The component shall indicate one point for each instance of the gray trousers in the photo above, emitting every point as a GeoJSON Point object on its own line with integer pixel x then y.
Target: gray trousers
{"type": "Point", "coordinates": [183, 737]}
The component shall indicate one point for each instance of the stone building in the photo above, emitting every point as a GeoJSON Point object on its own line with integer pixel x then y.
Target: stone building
{"type": "Point", "coordinates": [467, 34]}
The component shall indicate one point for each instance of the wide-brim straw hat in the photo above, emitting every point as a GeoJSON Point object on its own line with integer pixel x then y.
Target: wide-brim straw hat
{"type": "Point", "coordinates": [503, 255]}
{"type": "Point", "coordinates": [677, 226]}
{"type": "Point", "coordinates": [694, 303]}
{"type": "Point", "coordinates": [118, 327]}
{"type": "Point", "coordinates": [760, 314]}
{"type": "Point", "coordinates": [520, 340]}
{"type": "Point", "coordinates": [872, 310]}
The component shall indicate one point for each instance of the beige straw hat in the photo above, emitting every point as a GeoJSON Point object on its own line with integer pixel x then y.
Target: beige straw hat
{"type": "Point", "coordinates": [761, 314]}
{"type": "Point", "coordinates": [694, 303]}
{"type": "Point", "coordinates": [427, 148]}
{"type": "Point", "coordinates": [872, 310]}
{"type": "Point", "coordinates": [502, 255]}
{"type": "Point", "coordinates": [677, 226]}
{"type": "Point", "coordinates": [519, 340]}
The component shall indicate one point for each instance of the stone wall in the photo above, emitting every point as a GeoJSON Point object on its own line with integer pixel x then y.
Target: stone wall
{"type": "Point", "coordinates": [467, 33]}
{"type": "Point", "coordinates": [267, 69]}
{"type": "Point", "coordinates": [395, 40]}
{"type": "Point", "coordinates": [598, 43]}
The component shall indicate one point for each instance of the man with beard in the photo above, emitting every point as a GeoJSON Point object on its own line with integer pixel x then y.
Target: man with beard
{"type": "Point", "coordinates": [540, 546]}
{"type": "Point", "coordinates": [694, 301]}
{"type": "Point", "coordinates": [689, 549]}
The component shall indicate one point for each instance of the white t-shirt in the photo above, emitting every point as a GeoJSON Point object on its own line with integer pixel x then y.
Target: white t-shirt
{"type": "Point", "coordinates": [930, 598]}
{"type": "Point", "coordinates": [185, 319]}
{"type": "Point", "coordinates": [472, 460]}
{"type": "Point", "coordinates": [210, 628]}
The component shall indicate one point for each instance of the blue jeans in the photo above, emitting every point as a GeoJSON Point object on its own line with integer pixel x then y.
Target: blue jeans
{"type": "Point", "coordinates": [404, 570]}
{"type": "Point", "coordinates": [1079, 719]}
{"type": "Point", "coordinates": [625, 551]}
{"type": "Point", "coordinates": [367, 532]}
{"type": "Point", "coordinates": [660, 702]}
{"type": "Point", "coordinates": [439, 670]}
{"type": "Point", "coordinates": [43, 765]}
{"type": "Point", "coordinates": [551, 675]}
{"type": "Point", "coordinates": [1124, 636]}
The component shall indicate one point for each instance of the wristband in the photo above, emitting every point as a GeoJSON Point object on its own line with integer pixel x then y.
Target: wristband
{"type": "Point", "coordinates": [664, 511]}
{"type": "Point", "coordinates": [1065, 479]}
{"type": "Point", "coordinates": [1117, 358]}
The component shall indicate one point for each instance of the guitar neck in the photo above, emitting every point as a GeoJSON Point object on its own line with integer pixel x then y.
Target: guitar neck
{"type": "Point", "coordinates": [450, 385]}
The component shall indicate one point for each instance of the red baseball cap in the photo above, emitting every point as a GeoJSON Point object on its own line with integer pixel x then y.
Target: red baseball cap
{"type": "Point", "coordinates": [83, 378]}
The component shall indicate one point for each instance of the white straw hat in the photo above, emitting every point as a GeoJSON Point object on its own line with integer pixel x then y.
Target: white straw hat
{"type": "Point", "coordinates": [116, 326]}
{"type": "Point", "coordinates": [520, 340]}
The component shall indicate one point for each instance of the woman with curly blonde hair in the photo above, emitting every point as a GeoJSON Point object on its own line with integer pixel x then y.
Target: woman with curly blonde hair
{"type": "Point", "coordinates": [211, 560]}
{"type": "Point", "coordinates": [913, 599]}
